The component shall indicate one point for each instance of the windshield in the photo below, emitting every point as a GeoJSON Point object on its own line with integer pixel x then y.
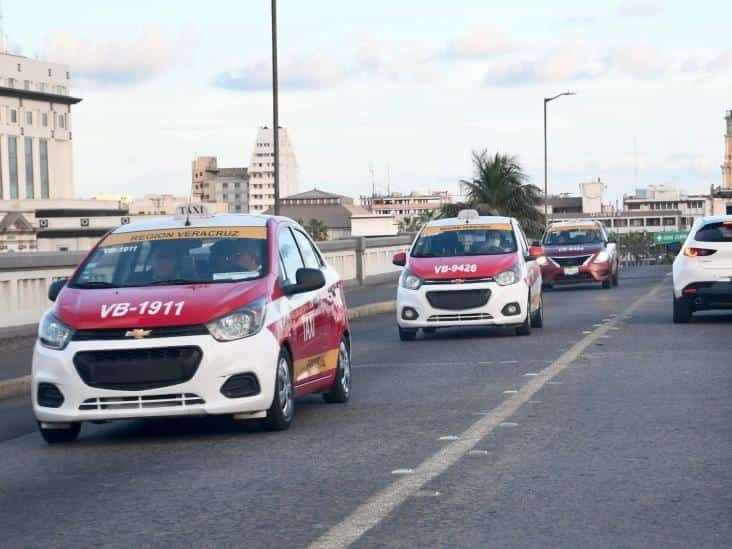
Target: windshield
{"type": "Point", "coordinates": [715, 232]}
{"type": "Point", "coordinates": [176, 256]}
{"type": "Point", "coordinates": [462, 240]}
{"type": "Point", "coordinates": [573, 236]}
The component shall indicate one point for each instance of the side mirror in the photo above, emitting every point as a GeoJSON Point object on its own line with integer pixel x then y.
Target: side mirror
{"type": "Point", "coordinates": [536, 250]}
{"type": "Point", "coordinates": [307, 281]}
{"type": "Point", "coordinates": [55, 288]}
{"type": "Point", "coordinates": [399, 259]}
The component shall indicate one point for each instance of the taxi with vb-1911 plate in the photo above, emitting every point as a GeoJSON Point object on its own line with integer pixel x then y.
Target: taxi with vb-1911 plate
{"type": "Point", "coordinates": [572, 252]}
{"type": "Point", "coordinates": [223, 314]}
{"type": "Point", "coordinates": [468, 271]}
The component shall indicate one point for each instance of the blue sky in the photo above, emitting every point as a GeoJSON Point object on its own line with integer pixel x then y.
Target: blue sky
{"type": "Point", "coordinates": [409, 86]}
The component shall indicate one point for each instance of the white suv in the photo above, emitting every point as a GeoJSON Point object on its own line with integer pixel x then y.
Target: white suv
{"type": "Point", "coordinates": [703, 269]}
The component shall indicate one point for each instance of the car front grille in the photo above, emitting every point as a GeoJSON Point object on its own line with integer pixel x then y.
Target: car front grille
{"type": "Point", "coordinates": [125, 333]}
{"type": "Point", "coordinates": [441, 281]}
{"type": "Point", "coordinates": [458, 299]}
{"type": "Point", "coordinates": [138, 402]}
{"type": "Point", "coordinates": [137, 369]}
{"type": "Point", "coordinates": [574, 261]}
{"type": "Point", "coordinates": [464, 317]}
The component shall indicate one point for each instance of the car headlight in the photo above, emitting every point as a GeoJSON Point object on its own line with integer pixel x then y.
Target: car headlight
{"type": "Point", "coordinates": [508, 277]}
{"type": "Point", "coordinates": [410, 281]}
{"type": "Point", "coordinates": [542, 260]}
{"type": "Point", "coordinates": [601, 257]}
{"type": "Point", "coordinates": [243, 322]}
{"type": "Point", "coordinates": [53, 333]}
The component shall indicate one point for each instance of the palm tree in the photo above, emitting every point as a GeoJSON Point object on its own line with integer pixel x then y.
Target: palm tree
{"type": "Point", "coordinates": [409, 224]}
{"type": "Point", "coordinates": [500, 187]}
{"type": "Point", "coordinates": [317, 229]}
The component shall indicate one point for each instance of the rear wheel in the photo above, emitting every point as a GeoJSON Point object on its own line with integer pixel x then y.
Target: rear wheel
{"type": "Point", "coordinates": [57, 434]}
{"type": "Point", "coordinates": [537, 317]}
{"type": "Point", "coordinates": [616, 276]}
{"type": "Point", "coordinates": [525, 328]}
{"type": "Point", "coordinates": [547, 286]}
{"type": "Point", "coordinates": [282, 410]}
{"type": "Point", "coordinates": [341, 390]}
{"type": "Point", "coordinates": [407, 335]}
{"type": "Point", "coordinates": [607, 284]}
{"type": "Point", "coordinates": [682, 311]}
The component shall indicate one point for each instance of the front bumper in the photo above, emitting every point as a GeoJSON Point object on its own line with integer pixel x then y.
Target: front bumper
{"type": "Point", "coordinates": [591, 272]}
{"type": "Point", "coordinates": [489, 314]}
{"type": "Point", "coordinates": [198, 396]}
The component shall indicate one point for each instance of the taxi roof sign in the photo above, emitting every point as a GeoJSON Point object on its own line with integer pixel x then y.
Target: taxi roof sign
{"type": "Point", "coordinates": [187, 211]}
{"type": "Point", "coordinates": [467, 215]}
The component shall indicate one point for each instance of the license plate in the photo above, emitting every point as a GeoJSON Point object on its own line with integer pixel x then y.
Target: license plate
{"type": "Point", "coordinates": [571, 271]}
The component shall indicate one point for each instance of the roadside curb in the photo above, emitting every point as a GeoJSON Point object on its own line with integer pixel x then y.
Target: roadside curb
{"type": "Point", "coordinates": [20, 386]}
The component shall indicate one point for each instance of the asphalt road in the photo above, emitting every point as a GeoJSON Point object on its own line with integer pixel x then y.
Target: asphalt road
{"type": "Point", "coordinates": [622, 438]}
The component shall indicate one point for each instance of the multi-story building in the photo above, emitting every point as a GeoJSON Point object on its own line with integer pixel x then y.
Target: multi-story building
{"type": "Point", "coordinates": [36, 160]}
{"type": "Point", "coordinates": [404, 205]}
{"type": "Point", "coordinates": [721, 197]}
{"type": "Point", "coordinates": [214, 184]}
{"type": "Point", "coordinates": [261, 170]}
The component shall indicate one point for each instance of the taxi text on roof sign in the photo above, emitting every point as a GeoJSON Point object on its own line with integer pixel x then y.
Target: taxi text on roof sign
{"type": "Point", "coordinates": [184, 211]}
{"type": "Point", "coordinates": [186, 232]}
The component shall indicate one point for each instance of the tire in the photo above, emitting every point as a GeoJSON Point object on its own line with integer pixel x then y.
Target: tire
{"type": "Point", "coordinates": [607, 284]}
{"type": "Point", "coordinates": [407, 335]}
{"type": "Point", "coordinates": [341, 390]}
{"type": "Point", "coordinates": [525, 328]}
{"type": "Point", "coordinates": [60, 436]}
{"type": "Point", "coordinates": [282, 411]}
{"type": "Point", "coordinates": [537, 318]}
{"type": "Point", "coordinates": [616, 276]}
{"type": "Point", "coordinates": [682, 311]}
{"type": "Point", "coordinates": [547, 286]}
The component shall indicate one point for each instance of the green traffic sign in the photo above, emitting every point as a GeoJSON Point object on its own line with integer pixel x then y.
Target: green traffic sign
{"type": "Point", "coordinates": [670, 237]}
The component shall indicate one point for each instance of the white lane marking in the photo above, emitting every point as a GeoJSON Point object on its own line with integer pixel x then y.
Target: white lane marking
{"type": "Point", "coordinates": [509, 362]}
{"type": "Point", "coordinates": [449, 437]}
{"type": "Point", "coordinates": [478, 453]}
{"type": "Point", "coordinates": [536, 401]}
{"type": "Point", "coordinates": [530, 374]}
{"type": "Point", "coordinates": [510, 392]}
{"type": "Point", "coordinates": [486, 362]}
{"type": "Point", "coordinates": [508, 424]}
{"type": "Point", "coordinates": [402, 471]}
{"type": "Point", "coordinates": [586, 332]}
{"type": "Point", "coordinates": [554, 383]}
{"type": "Point", "coordinates": [426, 494]}
{"type": "Point", "coordinates": [372, 511]}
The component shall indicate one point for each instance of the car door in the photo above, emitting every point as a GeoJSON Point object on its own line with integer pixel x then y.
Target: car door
{"type": "Point", "coordinates": [532, 268]}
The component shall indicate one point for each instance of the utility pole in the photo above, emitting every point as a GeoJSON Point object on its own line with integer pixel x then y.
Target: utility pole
{"type": "Point", "coordinates": [546, 194]}
{"type": "Point", "coordinates": [275, 112]}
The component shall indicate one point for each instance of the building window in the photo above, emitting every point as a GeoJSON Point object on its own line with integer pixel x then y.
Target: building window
{"type": "Point", "coordinates": [225, 196]}
{"type": "Point", "coordinates": [11, 82]}
{"type": "Point", "coordinates": [43, 146]}
{"type": "Point", "coordinates": [26, 84]}
{"type": "Point", "coordinates": [68, 75]}
{"type": "Point", "coordinates": [13, 116]}
{"type": "Point", "coordinates": [29, 192]}
{"type": "Point", "coordinates": [42, 87]}
{"type": "Point", "coordinates": [29, 118]}
{"type": "Point", "coordinates": [1, 177]}
{"type": "Point", "coordinates": [62, 121]}
{"type": "Point", "coordinates": [20, 68]}
{"type": "Point", "coordinates": [237, 185]}
{"type": "Point", "coordinates": [225, 185]}
{"type": "Point", "coordinates": [13, 166]}
{"type": "Point", "coordinates": [44, 119]}
{"type": "Point", "coordinates": [50, 72]}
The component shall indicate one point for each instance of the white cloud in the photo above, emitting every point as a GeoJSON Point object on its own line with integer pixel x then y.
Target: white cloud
{"type": "Point", "coordinates": [641, 62]}
{"type": "Point", "coordinates": [640, 8]}
{"type": "Point", "coordinates": [480, 43]}
{"type": "Point", "coordinates": [100, 60]}
{"type": "Point", "coordinates": [374, 58]}
{"type": "Point", "coordinates": [304, 71]}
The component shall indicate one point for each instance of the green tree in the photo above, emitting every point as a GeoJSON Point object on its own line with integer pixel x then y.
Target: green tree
{"type": "Point", "coordinates": [500, 187]}
{"type": "Point", "coordinates": [636, 245]}
{"type": "Point", "coordinates": [408, 224]}
{"type": "Point", "coordinates": [316, 229]}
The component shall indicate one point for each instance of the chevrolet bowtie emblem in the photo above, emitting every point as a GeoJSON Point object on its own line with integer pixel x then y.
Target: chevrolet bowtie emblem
{"type": "Point", "coordinates": [138, 333]}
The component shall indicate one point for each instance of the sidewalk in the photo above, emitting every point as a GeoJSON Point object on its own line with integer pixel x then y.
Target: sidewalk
{"type": "Point", "coordinates": [16, 344]}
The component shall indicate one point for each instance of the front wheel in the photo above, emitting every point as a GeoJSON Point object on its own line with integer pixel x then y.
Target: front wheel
{"type": "Point", "coordinates": [682, 311]}
{"type": "Point", "coordinates": [60, 435]}
{"type": "Point", "coordinates": [607, 284]}
{"type": "Point", "coordinates": [407, 335]}
{"type": "Point", "coordinates": [341, 390]}
{"type": "Point", "coordinates": [616, 276]}
{"type": "Point", "coordinates": [282, 410]}
{"type": "Point", "coordinates": [537, 317]}
{"type": "Point", "coordinates": [525, 328]}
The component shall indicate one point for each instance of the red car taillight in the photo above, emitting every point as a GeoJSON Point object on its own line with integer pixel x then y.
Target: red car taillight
{"type": "Point", "coordinates": [698, 252]}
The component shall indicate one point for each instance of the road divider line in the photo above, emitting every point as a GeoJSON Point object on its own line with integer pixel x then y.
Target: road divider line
{"type": "Point", "coordinates": [372, 309]}
{"type": "Point", "coordinates": [380, 505]}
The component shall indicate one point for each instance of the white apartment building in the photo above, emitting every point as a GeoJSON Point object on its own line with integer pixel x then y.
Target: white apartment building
{"type": "Point", "coordinates": [214, 184]}
{"type": "Point", "coordinates": [36, 159]}
{"type": "Point", "coordinates": [261, 170]}
{"type": "Point", "coordinates": [402, 205]}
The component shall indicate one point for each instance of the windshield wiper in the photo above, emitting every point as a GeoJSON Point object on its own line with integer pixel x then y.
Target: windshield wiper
{"type": "Point", "coordinates": [95, 284]}
{"type": "Point", "coordinates": [172, 282]}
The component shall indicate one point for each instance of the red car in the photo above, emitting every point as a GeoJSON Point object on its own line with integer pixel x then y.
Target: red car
{"type": "Point", "coordinates": [223, 314]}
{"type": "Point", "coordinates": [577, 252]}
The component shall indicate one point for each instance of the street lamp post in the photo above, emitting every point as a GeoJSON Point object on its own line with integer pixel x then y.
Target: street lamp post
{"type": "Point", "coordinates": [546, 194]}
{"type": "Point", "coordinates": [275, 112]}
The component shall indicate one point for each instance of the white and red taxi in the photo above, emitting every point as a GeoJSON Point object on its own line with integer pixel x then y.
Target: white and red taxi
{"type": "Point", "coordinates": [224, 314]}
{"type": "Point", "coordinates": [469, 271]}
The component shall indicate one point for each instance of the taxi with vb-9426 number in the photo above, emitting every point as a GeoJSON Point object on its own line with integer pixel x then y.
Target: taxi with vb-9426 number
{"type": "Point", "coordinates": [470, 270]}
{"type": "Point", "coordinates": [194, 314]}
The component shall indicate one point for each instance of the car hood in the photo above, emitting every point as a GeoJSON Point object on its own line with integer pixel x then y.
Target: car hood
{"type": "Point", "coordinates": [450, 268]}
{"type": "Point", "coordinates": [572, 250]}
{"type": "Point", "coordinates": [181, 305]}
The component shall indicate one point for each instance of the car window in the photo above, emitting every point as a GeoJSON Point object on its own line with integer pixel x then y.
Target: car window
{"type": "Point", "coordinates": [715, 232]}
{"type": "Point", "coordinates": [309, 254]}
{"type": "Point", "coordinates": [568, 236]}
{"type": "Point", "coordinates": [465, 240]}
{"type": "Point", "coordinates": [290, 257]}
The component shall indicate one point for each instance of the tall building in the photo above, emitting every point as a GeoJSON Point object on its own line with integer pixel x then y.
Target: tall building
{"type": "Point", "coordinates": [36, 158]}
{"type": "Point", "coordinates": [261, 170]}
{"type": "Point", "coordinates": [727, 164]}
{"type": "Point", "coordinates": [214, 184]}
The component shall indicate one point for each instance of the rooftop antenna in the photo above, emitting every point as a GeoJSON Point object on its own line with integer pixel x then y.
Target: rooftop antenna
{"type": "Point", "coordinates": [635, 162]}
{"type": "Point", "coordinates": [388, 179]}
{"type": "Point", "coordinates": [373, 178]}
{"type": "Point", "coordinates": [187, 222]}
